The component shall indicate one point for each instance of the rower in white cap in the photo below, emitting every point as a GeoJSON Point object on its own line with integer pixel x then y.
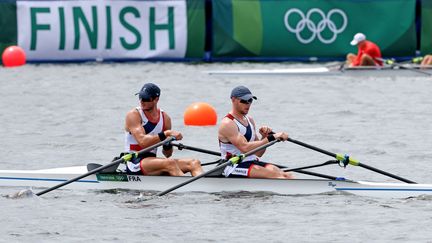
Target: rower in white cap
{"type": "Point", "coordinates": [369, 54]}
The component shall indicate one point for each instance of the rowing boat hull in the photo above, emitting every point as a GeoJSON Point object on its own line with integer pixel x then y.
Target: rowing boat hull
{"type": "Point", "coordinates": [52, 177]}
{"type": "Point", "coordinates": [323, 71]}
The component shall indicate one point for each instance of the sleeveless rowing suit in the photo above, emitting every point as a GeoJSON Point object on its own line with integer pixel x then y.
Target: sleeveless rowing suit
{"type": "Point", "coordinates": [131, 145]}
{"type": "Point", "coordinates": [228, 150]}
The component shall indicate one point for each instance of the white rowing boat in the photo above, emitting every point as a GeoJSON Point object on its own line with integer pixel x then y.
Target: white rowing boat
{"type": "Point", "coordinates": [106, 181]}
{"type": "Point", "coordinates": [402, 70]}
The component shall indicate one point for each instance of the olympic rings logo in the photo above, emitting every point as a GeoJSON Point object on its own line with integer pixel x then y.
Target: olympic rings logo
{"type": "Point", "coordinates": [316, 29]}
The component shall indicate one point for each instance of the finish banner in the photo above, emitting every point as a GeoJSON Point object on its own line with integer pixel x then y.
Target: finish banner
{"type": "Point", "coordinates": [426, 27]}
{"type": "Point", "coordinates": [313, 28]}
{"type": "Point", "coordinates": [110, 29]}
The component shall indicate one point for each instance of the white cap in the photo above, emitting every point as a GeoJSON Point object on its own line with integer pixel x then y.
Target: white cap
{"type": "Point", "coordinates": [358, 38]}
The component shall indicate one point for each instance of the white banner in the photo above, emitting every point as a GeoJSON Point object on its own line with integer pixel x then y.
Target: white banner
{"type": "Point", "coordinates": [100, 29]}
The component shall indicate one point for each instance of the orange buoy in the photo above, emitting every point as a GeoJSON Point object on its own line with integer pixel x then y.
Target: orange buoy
{"type": "Point", "coordinates": [200, 114]}
{"type": "Point", "coordinates": [13, 56]}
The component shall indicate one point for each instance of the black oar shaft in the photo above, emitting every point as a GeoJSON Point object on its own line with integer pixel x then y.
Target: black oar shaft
{"type": "Point", "coordinates": [253, 151]}
{"type": "Point", "coordinates": [212, 163]}
{"type": "Point", "coordinates": [140, 153]}
{"type": "Point", "coordinates": [181, 146]}
{"type": "Point", "coordinates": [404, 67]}
{"type": "Point", "coordinates": [311, 166]}
{"type": "Point", "coordinates": [300, 170]}
{"type": "Point", "coordinates": [317, 174]}
{"type": "Point", "coordinates": [356, 162]}
{"type": "Point", "coordinates": [312, 147]}
{"type": "Point", "coordinates": [79, 177]}
{"type": "Point", "coordinates": [386, 173]}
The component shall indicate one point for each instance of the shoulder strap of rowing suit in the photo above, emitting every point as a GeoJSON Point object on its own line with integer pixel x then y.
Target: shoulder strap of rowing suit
{"type": "Point", "coordinates": [230, 116]}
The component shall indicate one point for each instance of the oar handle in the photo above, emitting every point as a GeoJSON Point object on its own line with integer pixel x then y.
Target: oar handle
{"type": "Point", "coordinates": [240, 157]}
{"type": "Point", "coordinates": [124, 158]}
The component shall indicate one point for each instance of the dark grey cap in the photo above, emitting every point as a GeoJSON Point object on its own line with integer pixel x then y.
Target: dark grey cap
{"type": "Point", "coordinates": [149, 91]}
{"type": "Point", "coordinates": [242, 92]}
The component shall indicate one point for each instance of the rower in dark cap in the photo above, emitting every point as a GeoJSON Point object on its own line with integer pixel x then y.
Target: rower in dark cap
{"type": "Point", "coordinates": [237, 135]}
{"type": "Point", "coordinates": [147, 125]}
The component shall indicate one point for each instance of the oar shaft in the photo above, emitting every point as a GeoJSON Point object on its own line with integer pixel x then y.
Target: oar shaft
{"type": "Point", "coordinates": [312, 147]}
{"type": "Point", "coordinates": [253, 151]}
{"type": "Point", "coordinates": [212, 163]}
{"type": "Point", "coordinates": [181, 146]}
{"type": "Point", "coordinates": [404, 67]}
{"type": "Point", "coordinates": [415, 70]}
{"type": "Point", "coordinates": [351, 161]}
{"type": "Point", "coordinates": [316, 174]}
{"type": "Point", "coordinates": [193, 179]}
{"type": "Point", "coordinates": [311, 166]}
{"type": "Point", "coordinates": [138, 154]}
{"type": "Point", "coordinates": [79, 177]}
{"type": "Point", "coordinates": [298, 170]}
{"type": "Point", "coordinates": [386, 173]}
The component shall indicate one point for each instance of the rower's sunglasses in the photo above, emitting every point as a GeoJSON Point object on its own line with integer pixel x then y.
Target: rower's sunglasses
{"type": "Point", "coordinates": [249, 101]}
{"type": "Point", "coordinates": [147, 100]}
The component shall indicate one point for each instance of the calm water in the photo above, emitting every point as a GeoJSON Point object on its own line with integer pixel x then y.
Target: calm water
{"type": "Point", "coordinates": [64, 115]}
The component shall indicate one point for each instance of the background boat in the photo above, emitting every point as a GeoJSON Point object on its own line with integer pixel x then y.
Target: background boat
{"type": "Point", "coordinates": [403, 70]}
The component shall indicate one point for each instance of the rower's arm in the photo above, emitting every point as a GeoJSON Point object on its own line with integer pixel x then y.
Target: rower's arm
{"type": "Point", "coordinates": [228, 132]}
{"type": "Point", "coordinates": [262, 151]}
{"type": "Point", "coordinates": [133, 125]}
{"type": "Point", "coordinates": [167, 150]}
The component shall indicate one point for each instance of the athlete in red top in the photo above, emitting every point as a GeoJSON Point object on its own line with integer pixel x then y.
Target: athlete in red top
{"type": "Point", "coordinates": [368, 52]}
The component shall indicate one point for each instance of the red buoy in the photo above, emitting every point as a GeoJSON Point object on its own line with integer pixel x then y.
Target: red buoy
{"type": "Point", "coordinates": [13, 56]}
{"type": "Point", "coordinates": [200, 114]}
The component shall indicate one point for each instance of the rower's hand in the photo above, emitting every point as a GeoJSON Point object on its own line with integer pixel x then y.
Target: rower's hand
{"type": "Point", "coordinates": [282, 136]}
{"type": "Point", "coordinates": [265, 131]}
{"type": "Point", "coordinates": [177, 135]}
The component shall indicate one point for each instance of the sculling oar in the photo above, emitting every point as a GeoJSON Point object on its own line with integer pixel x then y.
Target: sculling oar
{"type": "Point", "coordinates": [181, 146]}
{"type": "Point", "coordinates": [345, 159]}
{"type": "Point", "coordinates": [124, 158]}
{"type": "Point", "coordinates": [233, 160]}
{"type": "Point", "coordinates": [298, 170]}
{"type": "Point", "coordinates": [330, 162]}
{"type": "Point", "coordinates": [394, 64]}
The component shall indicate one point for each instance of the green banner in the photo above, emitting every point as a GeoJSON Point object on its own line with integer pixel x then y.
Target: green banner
{"type": "Point", "coordinates": [8, 25]}
{"type": "Point", "coordinates": [426, 27]}
{"type": "Point", "coordinates": [196, 28]}
{"type": "Point", "coordinates": [313, 28]}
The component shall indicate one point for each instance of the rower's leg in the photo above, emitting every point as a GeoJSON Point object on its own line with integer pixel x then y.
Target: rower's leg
{"type": "Point", "coordinates": [427, 60]}
{"type": "Point", "coordinates": [350, 58]}
{"type": "Point", "coordinates": [190, 165]}
{"type": "Point", "coordinates": [286, 175]}
{"type": "Point", "coordinates": [257, 171]}
{"type": "Point", "coordinates": [157, 166]}
{"type": "Point", "coordinates": [367, 60]}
